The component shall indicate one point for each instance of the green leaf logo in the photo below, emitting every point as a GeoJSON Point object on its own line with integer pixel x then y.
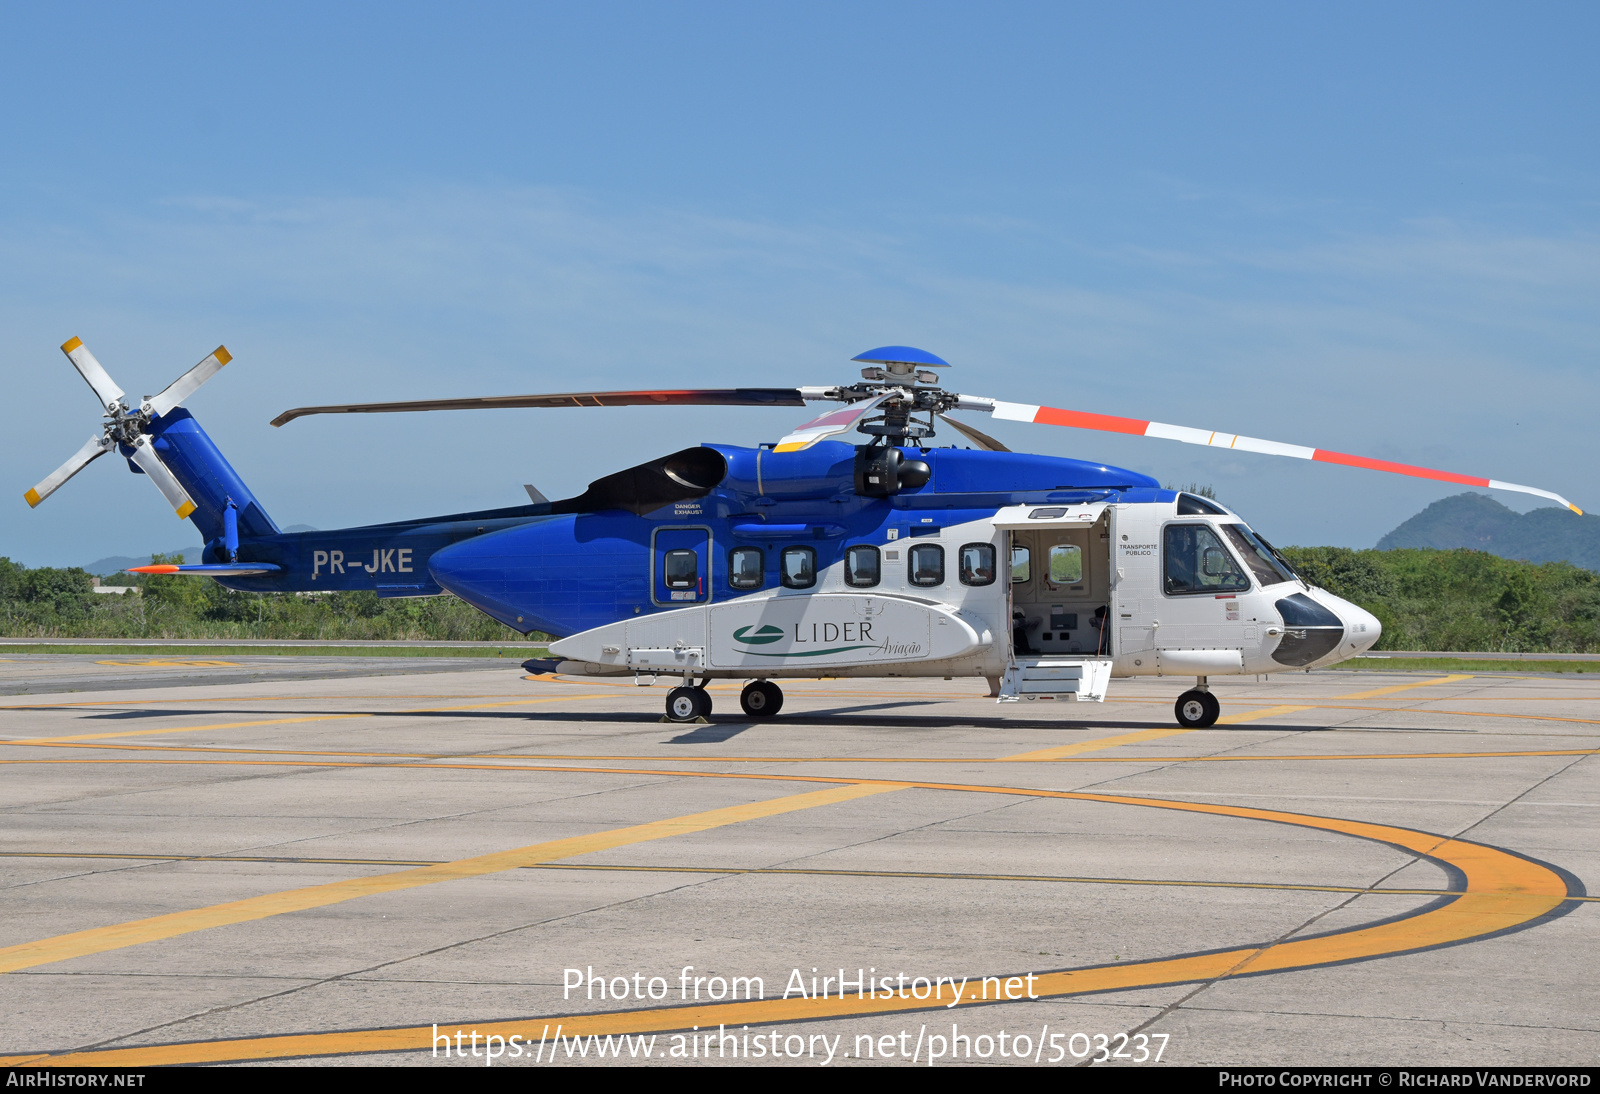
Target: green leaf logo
{"type": "Point", "coordinates": [766, 634]}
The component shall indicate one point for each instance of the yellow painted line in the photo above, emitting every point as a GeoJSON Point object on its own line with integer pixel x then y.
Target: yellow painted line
{"type": "Point", "coordinates": [289, 721]}
{"type": "Point", "coordinates": [170, 664]}
{"type": "Point", "coordinates": [1254, 715]}
{"type": "Point", "coordinates": [1502, 891]}
{"type": "Point", "coordinates": [64, 947]}
{"type": "Point", "coordinates": [1454, 678]}
{"type": "Point", "coordinates": [1095, 745]}
{"type": "Point", "coordinates": [915, 875]}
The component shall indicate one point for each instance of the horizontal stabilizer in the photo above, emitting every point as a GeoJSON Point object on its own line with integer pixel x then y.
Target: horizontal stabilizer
{"type": "Point", "coordinates": [210, 569]}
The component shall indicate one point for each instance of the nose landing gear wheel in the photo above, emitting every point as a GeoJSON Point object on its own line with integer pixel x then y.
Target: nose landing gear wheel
{"type": "Point", "coordinates": [761, 699]}
{"type": "Point", "coordinates": [687, 704]}
{"type": "Point", "coordinates": [1197, 709]}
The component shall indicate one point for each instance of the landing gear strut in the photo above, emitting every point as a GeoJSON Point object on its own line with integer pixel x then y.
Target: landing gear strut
{"type": "Point", "coordinates": [761, 699]}
{"type": "Point", "coordinates": [1197, 708]}
{"type": "Point", "coordinates": [685, 704]}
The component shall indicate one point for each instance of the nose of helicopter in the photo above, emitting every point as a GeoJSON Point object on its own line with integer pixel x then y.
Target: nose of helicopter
{"type": "Point", "coordinates": [1361, 628]}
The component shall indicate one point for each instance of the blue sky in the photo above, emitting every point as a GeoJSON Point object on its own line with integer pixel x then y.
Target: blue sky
{"type": "Point", "coordinates": [1365, 227]}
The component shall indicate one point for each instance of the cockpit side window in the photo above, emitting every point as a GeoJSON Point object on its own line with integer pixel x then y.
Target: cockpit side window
{"type": "Point", "coordinates": [1195, 561]}
{"type": "Point", "coordinates": [1257, 555]}
{"type": "Point", "coordinates": [1193, 505]}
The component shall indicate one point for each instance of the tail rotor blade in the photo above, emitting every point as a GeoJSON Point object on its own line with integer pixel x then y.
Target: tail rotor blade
{"type": "Point", "coordinates": [1106, 423]}
{"type": "Point", "coordinates": [93, 450]}
{"type": "Point", "coordinates": [105, 389]}
{"type": "Point", "coordinates": [186, 385]}
{"type": "Point", "coordinates": [144, 454]}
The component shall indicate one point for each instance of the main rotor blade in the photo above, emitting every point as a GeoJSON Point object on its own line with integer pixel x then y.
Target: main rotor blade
{"type": "Point", "coordinates": [105, 389]}
{"type": "Point", "coordinates": [144, 454]}
{"type": "Point", "coordinates": [93, 450]}
{"type": "Point", "coordinates": [830, 424]}
{"type": "Point", "coordinates": [982, 440]}
{"type": "Point", "coordinates": [733, 396]}
{"type": "Point", "coordinates": [1107, 423]}
{"type": "Point", "coordinates": [186, 385]}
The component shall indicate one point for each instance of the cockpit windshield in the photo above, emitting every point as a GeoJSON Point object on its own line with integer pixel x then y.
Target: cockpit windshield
{"type": "Point", "coordinates": [1258, 555]}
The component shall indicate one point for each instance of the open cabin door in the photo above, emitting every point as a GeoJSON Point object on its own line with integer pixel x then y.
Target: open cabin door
{"type": "Point", "coordinates": [1061, 589]}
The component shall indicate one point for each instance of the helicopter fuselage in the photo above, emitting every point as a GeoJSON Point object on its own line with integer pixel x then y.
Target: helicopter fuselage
{"type": "Point", "coordinates": [769, 565]}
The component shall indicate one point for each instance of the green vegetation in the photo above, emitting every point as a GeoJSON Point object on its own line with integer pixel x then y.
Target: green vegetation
{"type": "Point", "coordinates": [55, 603]}
{"type": "Point", "coordinates": [1462, 600]}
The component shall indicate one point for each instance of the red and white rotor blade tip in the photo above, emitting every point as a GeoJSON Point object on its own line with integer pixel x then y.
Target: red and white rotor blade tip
{"type": "Point", "coordinates": [93, 450]}
{"type": "Point", "coordinates": [1108, 423]}
{"type": "Point", "coordinates": [186, 385]}
{"type": "Point", "coordinates": [144, 454]}
{"type": "Point", "coordinates": [105, 389]}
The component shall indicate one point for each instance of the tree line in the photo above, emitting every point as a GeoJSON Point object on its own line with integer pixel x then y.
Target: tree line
{"type": "Point", "coordinates": [61, 603]}
{"type": "Point", "coordinates": [1425, 599]}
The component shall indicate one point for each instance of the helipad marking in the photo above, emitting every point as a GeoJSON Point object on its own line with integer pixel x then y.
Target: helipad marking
{"type": "Point", "coordinates": [118, 936]}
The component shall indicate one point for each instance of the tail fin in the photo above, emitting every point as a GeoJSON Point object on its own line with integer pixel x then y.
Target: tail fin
{"type": "Point", "coordinates": [225, 509]}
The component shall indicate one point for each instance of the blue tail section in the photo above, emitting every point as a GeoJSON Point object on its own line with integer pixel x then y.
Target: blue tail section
{"type": "Point", "coordinates": [225, 509]}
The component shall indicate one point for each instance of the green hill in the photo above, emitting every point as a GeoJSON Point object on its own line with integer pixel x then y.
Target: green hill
{"type": "Point", "coordinates": [1479, 523]}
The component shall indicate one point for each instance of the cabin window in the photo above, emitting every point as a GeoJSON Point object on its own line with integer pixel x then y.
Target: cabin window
{"type": "Point", "coordinates": [1021, 565]}
{"type": "Point", "coordinates": [977, 564]}
{"type": "Point", "coordinates": [681, 570]}
{"type": "Point", "coordinates": [799, 567]}
{"type": "Point", "coordinates": [1066, 564]}
{"type": "Point", "coordinates": [927, 564]}
{"type": "Point", "coordinates": [863, 567]}
{"type": "Point", "coordinates": [1195, 561]}
{"type": "Point", "coordinates": [745, 567]}
{"type": "Point", "coordinates": [1257, 555]}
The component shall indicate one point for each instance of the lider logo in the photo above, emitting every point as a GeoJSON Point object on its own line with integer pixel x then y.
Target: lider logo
{"type": "Point", "coordinates": [765, 635]}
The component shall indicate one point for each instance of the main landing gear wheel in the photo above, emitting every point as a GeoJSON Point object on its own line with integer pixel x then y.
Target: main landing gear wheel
{"type": "Point", "coordinates": [1197, 709]}
{"type": "Point", "coordinates": [761, 699]}
{"type": "Point", "coordinates": [687, 704]}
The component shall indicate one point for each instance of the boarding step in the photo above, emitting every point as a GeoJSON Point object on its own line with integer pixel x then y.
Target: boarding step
{"type": "Point", "coordinates": [1083, 679]}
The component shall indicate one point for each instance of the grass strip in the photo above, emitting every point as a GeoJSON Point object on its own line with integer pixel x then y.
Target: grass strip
{"type": "Point", "coordinates": [1461, 664]}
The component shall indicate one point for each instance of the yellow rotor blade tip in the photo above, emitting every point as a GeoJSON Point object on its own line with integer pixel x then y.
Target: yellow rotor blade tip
{"type": "Point", "coordinates": [185, 509]}
{"type": "Point", "coordinates": [223, 355]}
{"type": "Point", "coordinates": [33, 499]}
{"type": "Point", "coordinates": [71, 344]}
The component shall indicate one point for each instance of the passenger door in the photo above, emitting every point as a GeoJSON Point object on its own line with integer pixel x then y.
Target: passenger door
{"type": "Point", "coordinates": [680, 563]}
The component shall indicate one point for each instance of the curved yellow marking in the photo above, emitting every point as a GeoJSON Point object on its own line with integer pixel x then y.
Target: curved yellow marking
{"type": "Point", "coordinates": [1501, 891]}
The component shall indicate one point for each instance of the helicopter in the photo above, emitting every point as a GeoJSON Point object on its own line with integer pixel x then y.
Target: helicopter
{"type": "Point", "coordinates": [813, 556]}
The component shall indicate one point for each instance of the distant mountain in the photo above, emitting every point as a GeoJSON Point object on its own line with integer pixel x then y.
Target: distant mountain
{"type": "Point", "coordinates": [1479, 522]}
{"type": "Point", "coordinates": [116, 563]}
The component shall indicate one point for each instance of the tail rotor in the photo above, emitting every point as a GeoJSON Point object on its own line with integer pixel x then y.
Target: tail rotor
{"type": "Point", "coordinates": [129, 431]}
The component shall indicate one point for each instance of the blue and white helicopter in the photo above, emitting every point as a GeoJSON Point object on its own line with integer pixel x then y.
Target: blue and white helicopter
{"type": "Point", "coordinates": [811, 557]}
